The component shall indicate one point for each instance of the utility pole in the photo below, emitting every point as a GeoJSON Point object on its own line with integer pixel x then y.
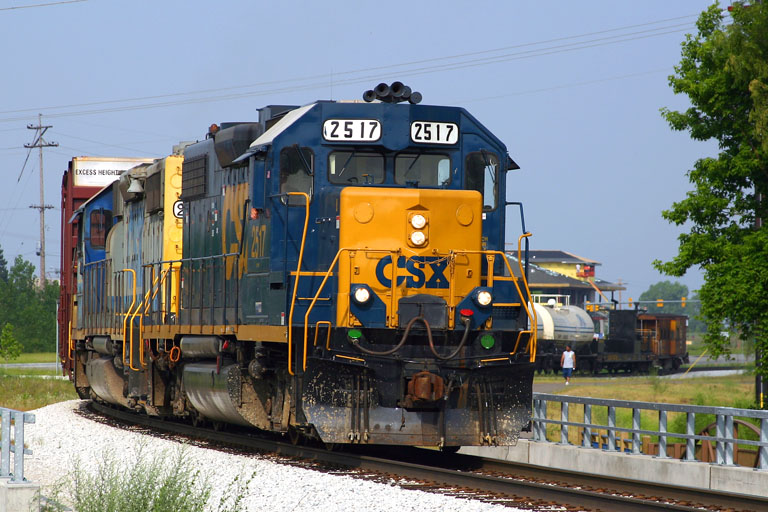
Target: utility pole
{"type": "Point", "coordinates": [761, 384]}
{"type": "Point", "coordinates": [41, 143]}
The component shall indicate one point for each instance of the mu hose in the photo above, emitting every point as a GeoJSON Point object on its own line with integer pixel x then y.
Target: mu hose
{"type": "Point", "coordinates": [429, 337]}
{"type": "Point", "coordinates": [400, 343]}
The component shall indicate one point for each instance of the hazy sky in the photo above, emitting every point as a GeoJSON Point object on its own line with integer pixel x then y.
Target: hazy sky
{"type": "Point", "coordinates": [573, 88]}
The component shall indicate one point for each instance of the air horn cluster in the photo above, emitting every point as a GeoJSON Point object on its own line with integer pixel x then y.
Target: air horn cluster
{"type": "Point", "coordinates": [394, 93]}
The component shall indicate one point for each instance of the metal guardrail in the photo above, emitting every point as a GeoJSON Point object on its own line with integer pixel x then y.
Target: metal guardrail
{"type": "Point", "coordinates": [628, 439]}
{"type": "Point", "coordinates": [13, 443]}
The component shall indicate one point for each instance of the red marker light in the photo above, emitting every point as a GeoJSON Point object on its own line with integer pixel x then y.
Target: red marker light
{"type": "Point", "coordinates": [466, 312]}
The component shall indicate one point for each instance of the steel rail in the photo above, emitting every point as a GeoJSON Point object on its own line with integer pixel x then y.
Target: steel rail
{"type": "Point", "coordinates": [464, 471]}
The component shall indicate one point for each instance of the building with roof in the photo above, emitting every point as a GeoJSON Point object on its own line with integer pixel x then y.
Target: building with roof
{"type": "Point", "coordinates": [564, 273]}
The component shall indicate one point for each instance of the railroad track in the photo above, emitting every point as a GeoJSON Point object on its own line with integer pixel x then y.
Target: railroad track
{"type": "Point", "coordinates": [470, 477]}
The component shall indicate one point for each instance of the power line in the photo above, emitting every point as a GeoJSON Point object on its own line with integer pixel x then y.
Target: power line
{"type": "Point", "coordinates": [448, 66]}
{"type": "Point", "coordinates": [103, 143]}
{"type": "Point", "coordinates": [41, 5]}
{"type": "Point", "coordinates": [563, 86]}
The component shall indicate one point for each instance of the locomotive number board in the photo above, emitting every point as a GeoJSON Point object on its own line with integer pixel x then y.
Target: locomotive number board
{"type": "Point", "coordinates": [430, 132]}
{"type": "Point", "coordinates": [352, 130]}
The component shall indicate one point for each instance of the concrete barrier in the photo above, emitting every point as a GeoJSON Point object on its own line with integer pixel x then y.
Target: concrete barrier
{"type": "Point", "coordinates": [19, 497]}
{"type": "Point", "coordinates": [644, 468]}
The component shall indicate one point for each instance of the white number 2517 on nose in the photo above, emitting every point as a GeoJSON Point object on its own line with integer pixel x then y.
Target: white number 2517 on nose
{"type": "Point", "coordinates": [430, 132]}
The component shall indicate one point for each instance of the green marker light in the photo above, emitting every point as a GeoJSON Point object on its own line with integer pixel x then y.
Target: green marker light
{"type": "Point", "coordinates": [354, 334]}
{"type": "Point", "coordinates": [487, 341]}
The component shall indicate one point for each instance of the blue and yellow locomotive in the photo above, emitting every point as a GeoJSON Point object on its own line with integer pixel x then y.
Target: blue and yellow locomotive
{"type": "Point", "coordinates": [334, 271]}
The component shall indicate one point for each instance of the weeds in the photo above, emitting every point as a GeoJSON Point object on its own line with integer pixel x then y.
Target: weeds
{"type": "Point", "coordinates": [159, 482]}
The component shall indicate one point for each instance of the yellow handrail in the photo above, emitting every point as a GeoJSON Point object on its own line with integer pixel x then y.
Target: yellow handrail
{"type": "Point", "coordinates": [125, 318]}
{"type": "Point", "coordinates": [70, 344]}
{"type": "Point", "coordinates": [532, 316]}
{"type": "Point", "coordinates": [145, 304]}
{"type": "Point", "coordinates": [134, 314]}
{"type": "Point", "coordinates": [296, 282]}
{"type": "Point", "coordinates": [320, 289]}
{"type": "Point", "coordinates": [535, 319]}
{"type": "Point", "coordinates": [328, 337]}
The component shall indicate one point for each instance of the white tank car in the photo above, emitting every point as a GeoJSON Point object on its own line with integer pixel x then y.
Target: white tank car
{"type": "Point", "coordinates": [563, 323]}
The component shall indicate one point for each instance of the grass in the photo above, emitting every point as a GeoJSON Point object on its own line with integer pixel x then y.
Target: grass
{"type": "Point", "coordinates": [160, 481]}
{"type": "Point", "coordinates": [726, 391]}
{"type": "Point", "coordinates": [36, 357]}
{"type": "Point", "coordinates": [37, 372]}
{"type": "Point", "coordinates": [28, 393]}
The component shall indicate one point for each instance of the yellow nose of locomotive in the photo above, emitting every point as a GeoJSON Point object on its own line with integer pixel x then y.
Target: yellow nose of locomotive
{"type": "Point", "coordinates": [400, 243]}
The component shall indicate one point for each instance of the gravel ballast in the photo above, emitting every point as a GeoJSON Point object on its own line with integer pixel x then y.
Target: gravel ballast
{"type": "Point", "coordinates": [61, 436]}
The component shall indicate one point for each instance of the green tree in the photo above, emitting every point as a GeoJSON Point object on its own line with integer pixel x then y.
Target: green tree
{"type": "Point", "coordinates": [3, 267]}
{"type": "Point", "coordinates": [672, 293]}
{"type": "Point", "coordinates": [668, 291]}
{"type": "Point", "coordinates": [31, 310]}
{"type": "Point", "coordinates": [10, 349]}
{"type": "Point", "coordinates": [724, 73]}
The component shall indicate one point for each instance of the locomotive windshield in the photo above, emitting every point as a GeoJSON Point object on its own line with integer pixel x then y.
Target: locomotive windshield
{"type": "Point", "coordinates": [355, 167]}
{"type": "Point", "coordinates": [427, 170]}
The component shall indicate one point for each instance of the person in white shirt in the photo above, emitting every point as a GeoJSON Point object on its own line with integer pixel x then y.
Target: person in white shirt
{"type": "Point", "coordinates": [568, 363]}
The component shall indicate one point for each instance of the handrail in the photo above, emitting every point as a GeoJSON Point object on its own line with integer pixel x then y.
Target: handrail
{"type": "Point", "coordinates": [531, 316]}
{"type": "Point", "coordinates": [70, 341]}
{"type": "Point", "coordinates": [145, 305]}
{"type": "Point", "coordinates": [533, 331]}
{"type": "Point", "coordinates": [328, 336]}
{"type": "Point", "coordinates": [19, 418]}
{"type": "Point", "coordinates": [320, 289]}
{"type": "Point", "coordinates": [128, 312]}
{"type": "Point", "coordinates": [296, 282]}
{"type": "Point", "coordinates": [725, 439]}
{"type": "Point", "coordinates": [535, 322]}
{"type": "Point", "coordinates": [134, 314]}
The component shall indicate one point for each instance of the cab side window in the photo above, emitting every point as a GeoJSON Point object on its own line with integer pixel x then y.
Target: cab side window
{"type": "Point", "coordinates": [482, 174]}
{"type": "Point", "coordinates": [297, 169]}
{"type": "Point", "coordinates": [101, 221]}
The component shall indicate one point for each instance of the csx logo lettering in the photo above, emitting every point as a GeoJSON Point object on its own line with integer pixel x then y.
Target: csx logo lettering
{"type": "Point", "coordinates": [416, 267]}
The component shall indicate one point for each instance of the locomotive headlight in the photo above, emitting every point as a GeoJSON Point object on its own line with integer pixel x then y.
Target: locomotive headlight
{"type": "Point", "coordinates": [362, 295]}
{"type": "Point", "coordinates": [418, 221]}
{"type": "Point", "coordinates": [418, 238]}
{"type": "Point", "coordinates": [484, 297]}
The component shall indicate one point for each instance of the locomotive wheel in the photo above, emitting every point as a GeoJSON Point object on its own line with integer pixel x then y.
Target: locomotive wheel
{"type": "Point", "coordinates": [197, 420]}
{"type": "Point", "coordinates": [332, 447]}
{"type": "Point", "coordinates": [295, 436]}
